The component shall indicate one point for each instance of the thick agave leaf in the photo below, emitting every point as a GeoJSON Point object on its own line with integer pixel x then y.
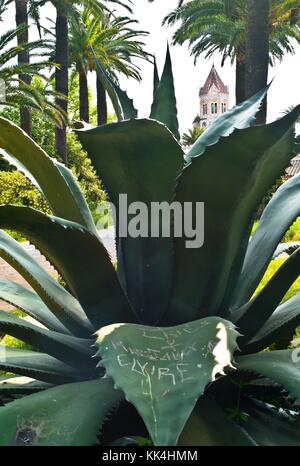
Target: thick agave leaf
{"type": "Point", "coordinates": [54, 180]}
{"type": "Point", "coordinates": [66, 348]}
{"type": "Point", "coordinates": [280, 326]}
{"type": "Point", "coordinates": [122, 104]}
{"type": "Point", "coordinates": [125, 441]}
{"type": "Point", "coordinates": [142, 159]}
{"type": "Point", "coordinates": [21, 386]}
{"type": "Point", "coordinates": [209, 425]}
{"type": "Point", "coordinates": [261, 388]}
{"type": "Point", "coordinates": [287, 248]}
{"type": "Point", "coordinates": [129, 111]}
{"type": "Point", "coordinates": [68, 415]}
{"type": "Point", "coordinates": [238, 117]}
{"type": "Point", "coordinates": [155, 78]}
{"type": "Point", "coordinates": [245, 166]}
{"type": "Point", "coordinates": [164, 107]}
{"type": "Point", "coordinates": [74, 251]}
{"type": "Point", "coordinates": [161, 368]}
{"type": "Point", "coordinates": [29, 302]}
{"type": "Point", "coordinates": [110, 88]}
{"type": "Point", "coordinates": [63, 305]}
{"type": "Point", "coordinates": [281, 366]}
{"type": "Point", "coordinates": [252, 316]}
{"type": "Point", "coordinates": [37, 365]}
{"type": "Point", "coordinates": [268, 427]}
{"type": "Point", "coordinates": [280, 213]}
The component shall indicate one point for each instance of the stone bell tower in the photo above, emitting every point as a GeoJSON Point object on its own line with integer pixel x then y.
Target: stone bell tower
{"type": "Point", "coordinates": [214, 100]}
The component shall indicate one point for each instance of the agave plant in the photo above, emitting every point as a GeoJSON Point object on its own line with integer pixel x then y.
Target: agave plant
{"type": "Point", "coordinates": [170, 344]}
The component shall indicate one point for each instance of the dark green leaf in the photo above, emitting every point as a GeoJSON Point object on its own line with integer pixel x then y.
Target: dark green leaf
{"type": "Point", "coordinates": [209, 425]}
{"type": "Point", "coordinates": [281, 366]}
{"type": "Point", "coordinates": [125, 441]}
{"type": "Point", "coordinates": [252, 316]}
{"type": "Point", "coordinates": [142, 159]}
{"type": "Point", "coordinates": [68, 415]}
{"type": "Point", "coordinates": [280, 213]}
{"type": "Point", "coordinates": [110, 89]}
{"type": "Point", "coordinates": [155, 78]}
{"type": "Point", "coordinates": [159, 368]}
{"type": "Point", "coordinates": [245, 166]}
{"type": "Point", "coordinates": [29, 302]}
{"type": "Point", "coordinates": [36, 365]}
{"type": "Point", "coordinates": [122, 104]}
{"type": "Point", "coordinates": [13, 385]}
{"type": "Point", "coordinates": [63, 305]}
{"type": "Point", "coordinates": [164, 107]}
{"type": "Point", "coordinates": [268, 427]}
{"type": "Point", "coordinates": [127, 104]}
{"type": "Point", "coordinates": [72, 350]}
{"type": "Point", "coordinates": [55, 181]}
{"type": "Point", "coordinates": [287, 248]}
{"type": "Point", "coordinates": [81, 259]}
{"type": "Point", "coordinates": [279, 326]}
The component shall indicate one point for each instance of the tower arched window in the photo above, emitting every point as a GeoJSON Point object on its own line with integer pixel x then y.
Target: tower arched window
{"type": "Point", "coordinates": [214, 108]}
{"type": "Point", "coordinates": [224, 107]}
{"type": "Point", "coordinates": [204, 109]}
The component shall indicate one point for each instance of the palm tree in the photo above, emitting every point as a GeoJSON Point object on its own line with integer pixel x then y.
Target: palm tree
{"type": "Point", "coordinates": [23, 58]}
{"type": "Point", "coordinates": [17, 92]}
{"type": "Point", "coordinates": [115, 44]}
{"type": "Point", "coordinates": [81, 38]}
{"type": "Point", "coordinates": [21, 7]}
{"type": "Point", "coordinates": [24, 9]}
{"type": "Point", "coordinates": [257, 52]}
{"type": "Point", "coordinates": [191, 136]}
{"type": "Point", "coordinates": [61, 73]}
{"type": "Point", "coordinates": [220, 26]}
{"type": "Point", "coordinates": [65, 10]}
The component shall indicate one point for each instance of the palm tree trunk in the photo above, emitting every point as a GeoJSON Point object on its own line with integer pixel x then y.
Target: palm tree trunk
{"type": "Point", "coordinates": [83, 97]}
{"type": "Point", "coordinates": [257, 51]}
{"type": "Point", "coordinates": [23, 58]}
{"type": "Point", "coordinates": [61, 78]}
{"type": "Point", "coordinates": [101, 103]}
{"type": "Point", "coordinates": [240, 70]}
{"type": "Point", "coordinates": [294, 16]}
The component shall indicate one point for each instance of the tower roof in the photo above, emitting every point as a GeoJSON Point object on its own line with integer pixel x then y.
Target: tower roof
{"type": "Point", "coordinates": [213, 79]}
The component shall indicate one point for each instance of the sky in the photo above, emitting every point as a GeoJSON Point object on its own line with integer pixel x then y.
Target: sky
{"type": "Point", "coordinates": [284, 92]}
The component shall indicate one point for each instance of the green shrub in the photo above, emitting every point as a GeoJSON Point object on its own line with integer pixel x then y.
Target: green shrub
{"type": "Point", "coordinates": [293, 234]}
{"type": "Point", "coordinates": [15, 188]}
{"type": "Point", "coordinates": [15, 343]}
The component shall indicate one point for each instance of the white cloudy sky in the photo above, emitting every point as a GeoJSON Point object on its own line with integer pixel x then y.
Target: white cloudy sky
{"type": "Point", "coordinates": [285, 90]}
